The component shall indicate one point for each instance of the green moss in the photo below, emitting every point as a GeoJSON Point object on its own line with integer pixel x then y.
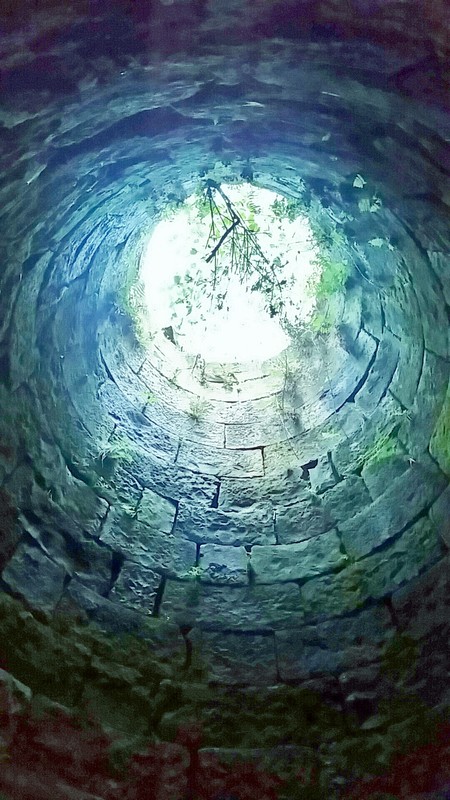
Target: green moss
{"type": "Point", "coordinates": [440, 440]}
{"type": "Point", "coordinates": [331, 278]}
{"type": "Point", "coordinates": [384, 448]}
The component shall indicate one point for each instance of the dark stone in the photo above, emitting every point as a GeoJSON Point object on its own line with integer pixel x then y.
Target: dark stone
{"type": "Point", "coordinates": [244, 527]}
{"type": "Point", "coordinates": [35, 577]}
{"type": "Point", "coordinates": [146, 546]}
{"type": "Point", "coordinates": [294, 562]}
{"type": "Point", "coordinates": [249, 608]}
{"type": "Point", "coordinates": [405, 499]}
{"type": "Point", "coordinates": [348, 498]}
{"type": "Point", "coordinates": [300, 521]}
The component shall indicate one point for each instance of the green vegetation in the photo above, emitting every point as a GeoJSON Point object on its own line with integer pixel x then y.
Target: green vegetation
{"type": "Point", "coordinates": [331, 279]}
{"type": "Point", "coordinates": [288, 208]}
{"type": "Point", "coordinates": [383, 449]}
{"type": "Point", "coordinates": [114, 451]}
{"type": "Point", "coordinates": [150, 399]}
{"type": "Point", "coordinates": [198, 408]}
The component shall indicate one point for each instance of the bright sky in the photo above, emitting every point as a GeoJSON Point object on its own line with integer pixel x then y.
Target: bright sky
{"type": "Point", "coordinates": [242, 330]}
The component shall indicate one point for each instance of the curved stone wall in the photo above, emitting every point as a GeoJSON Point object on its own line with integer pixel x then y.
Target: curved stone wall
{"type": "Point", "coordinates": [272, 578]}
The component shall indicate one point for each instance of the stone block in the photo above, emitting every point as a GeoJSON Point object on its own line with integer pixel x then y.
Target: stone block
{"type": "Point", "coordinates": [10, 530]}
{"type": "Point", "coordinates": [403, 500]}
{"type": "Point", "coordinates": [35, 577]}
{"type": "Point", "coordinates": [300, 521]}
{"type": "Point", "coordinates": [385, 467]}
{"type": "Point", "coordinates": [299, 661]}
{"type": "Point", "coordinates": [282, 489]}
{"type": "Point", "coordinates": [371, 314]}
{"type": "Point", "coordinates": [423, 605]}
{"type": "Point", "coordinates": [376, 576]}
{"type": "Point", "coordinates": [440, 439]}
{"type": "Point", "coordinates": [222, 564]}
{"type": "Point", "coordinates": [80, 557]}
{"type": "Point", "coordinates": [440, 515]}
{"type": "Point", "coordinates": [352, 372]}
{"type": "Point", "coordinates": [322, 477]}
{"type": "Point", "coordinates": [348, 498]}
{"type": "Point", "coordinates": [136, 587]}
{"type": "Point", "coordinates": [239, 658]}
{"type": "Point", "coordinates": [156, 512]}
{"type": "Point", "coordinates": [349, 453]}
{"type": "Point", "coordinates": [416, 432]}
{"type": "Point", "coordinates": [295, 562]}
{"type": "Point", "coordinates": [250, 435]}
{"type": "Point", "coordinates": [409, 367]}
{"type": "Point", "coordinates": [222, 463]}
{"type": "Point", "coordinates": [332, 646]}
{"type": "Point", "coordinates": [380, 374]}
{"type": "Point", "coordinates": [133, 426]}
{"type": "Point", "coordinates": [172, 480]}
{"type": "Point", "coordinates": [350, 322]}
{"type": "Point", "coordinates": [228, 771]}
{"type": "Point", "coordinates": [243, 527]}
{"type": "Point", "coordinates": [231, 608]}
{"type": "Point", "coordinates": [440, 263]}
{"type": "Point", "coordinates": [116, 619]}
{"type": "Point", "coordinates": [136, 541]}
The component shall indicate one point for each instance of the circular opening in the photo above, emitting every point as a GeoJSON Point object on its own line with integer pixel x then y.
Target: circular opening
{"type": "Point", "coordinates": [227, 269]}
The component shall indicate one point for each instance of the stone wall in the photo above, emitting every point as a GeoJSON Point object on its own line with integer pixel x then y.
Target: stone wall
{"type": "Point", "coordinates": [283, 579]}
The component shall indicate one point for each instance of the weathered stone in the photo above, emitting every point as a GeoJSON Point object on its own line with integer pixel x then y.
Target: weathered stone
{"type": "Point", "coordinates": [222, 564]}
{"type": "Point", "coordinates": [348, 455]}
{"type": "Point", "coordinates": [222, 463]}
{"type": "Point", "coordinates": [348, 498]}
{"type": "Point", "coordinates": [10, 530]}
{"type": "Point", "coordinates": [222, 769]}
{"type": "Point", "coordinates": [416, 431]}
{"type": "Point", "coordinates": [254, 435]}
{"type": "Point", "coordinates": [35, 577]}
{"type": "Point", "coordinates": [332, 646]}
{"type": "Point", "coordinates": [440, 515]}
{"type": "Point", "coordinates": [136, 587]}
{"type": "Point", "coordinates": [322, 476]}
{"type": "Point", "coordinates": [346, 381]}
{"type": "Point", "coordinates": [408, 496]}
{"type": "Point", "coordinates": [409, 368]}
{"type": "Point", "coordinates": [138, 542]}
{"type": "Point", "coordinates": [350, 322]}
{"type": "Point", "coordinates": [371, 313]}
{"type": "Point", "coordinates": [115, 618]}
{"type": "Point", "coordinates": [239, 658]}
{"type": "Point", "coordinates": [133, 425]}
{"type": "Point", "coordinates": [171, 480]}
{"type": "Point", "coordinates": [440, 263]}
{"type": "Point", "coordinates": [374, 577]}
{"type": "Point", "coordinates": [280, 489]}
{"type": "Point", "coordinates": [380, 374]}
{"type": "Point", "coordinates": [294, 562]}
{"type": "Point", "coordinates": [300, 521]}
{"type": "Point", "coordinates": [209, 525]}
{"type": "Point", "coordinates": [221, 607]}
{"type": "Point", "coordinates": [440, 439]}
{"type": "Point", "coordinates": [384, 467]}
{"type": "Point", "coordinates": [82, 558]}
{"type": "Point", "coordinates": [156, 512]}
{"type": "Point", "coordinates": [423, 605]}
